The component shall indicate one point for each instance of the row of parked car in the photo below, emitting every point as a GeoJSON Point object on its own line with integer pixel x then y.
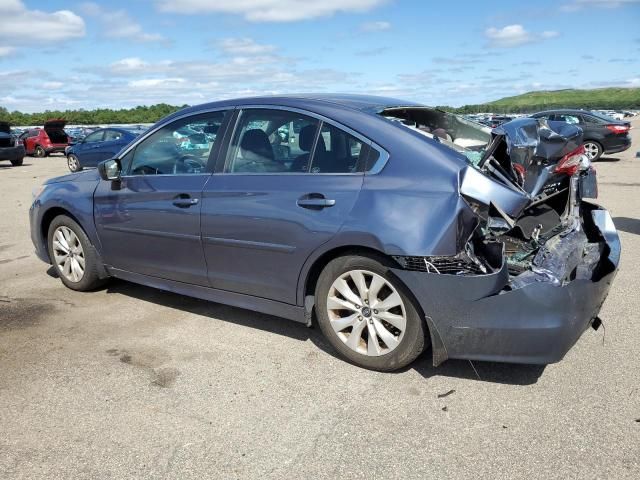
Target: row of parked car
{"type": "Point", "coordinates": [88, 146]}
{"type": "Point", "coordinates": [83, 146]}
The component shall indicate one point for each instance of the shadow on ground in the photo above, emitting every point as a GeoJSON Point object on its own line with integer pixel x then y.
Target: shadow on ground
{"type": "Point", "coordinates": [607, 159]}
{"type": "Point", "coordinates": [7, 164]}
{"type": "Point", "coordinates": [626, 224]}
{"type": "Point", "coordinates": [483, 371]}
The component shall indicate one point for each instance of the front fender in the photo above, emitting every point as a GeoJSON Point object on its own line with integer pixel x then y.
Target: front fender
{"type": "Point", "coordinates": [73, 197]}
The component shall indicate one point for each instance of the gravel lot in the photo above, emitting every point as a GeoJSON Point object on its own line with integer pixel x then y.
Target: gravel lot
{"type": "Point", "coordinates": [130, 382]}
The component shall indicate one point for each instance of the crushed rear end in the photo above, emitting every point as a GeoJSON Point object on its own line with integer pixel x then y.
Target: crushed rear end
{"type": "Point", "coordinates": [539, 264]}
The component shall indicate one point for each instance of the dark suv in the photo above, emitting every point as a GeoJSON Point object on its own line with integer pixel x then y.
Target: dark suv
{"type": "Point", "coordinates": [10, 147]}
{"type": "Point", "coordinates": [602, 134]}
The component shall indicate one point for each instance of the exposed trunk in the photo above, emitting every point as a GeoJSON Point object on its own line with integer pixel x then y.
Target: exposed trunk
{"type": "Point", "coordinates": [57, 135]}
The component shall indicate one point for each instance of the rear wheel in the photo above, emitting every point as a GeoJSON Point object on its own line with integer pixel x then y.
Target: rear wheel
{"type": "Point", "coordinates": [17, 162]}
{"type": "Point", "coordinates": [593, 150]}
{"type": "Point", "coordinates": [39, 152]}
{"type": "Point", "coordinates": [368, 315]}
{"type": "Point", "coordinates": [73, 163]}
{"type": "Point", "coordinates": [72, 254]}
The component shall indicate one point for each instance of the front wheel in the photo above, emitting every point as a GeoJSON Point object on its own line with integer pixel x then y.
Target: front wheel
{"type": "Point", "coordinates": [17, 162]}
{"type": "Point", "coordinates": [73, 163]}
{"type": "Point", "coordinates": [368, 315]}
{"type": "Point", "coordinates": [72, 254]}
{"type": "Point", "coordinates": [593, 150]}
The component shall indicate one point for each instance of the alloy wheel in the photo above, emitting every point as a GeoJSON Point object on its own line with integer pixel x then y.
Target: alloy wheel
{"type": "Point", "coordinates": [68, 254]}
{"type": "Point", "coordinates": [591, 150]}
{"type": "Point", "coordinates": [72, 163]}
{"type": "Point", "coordinates": [366, 312]}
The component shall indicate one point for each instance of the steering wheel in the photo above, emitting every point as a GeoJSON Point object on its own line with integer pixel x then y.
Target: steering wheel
{"type": "Point", "coordinates": [187, 164]}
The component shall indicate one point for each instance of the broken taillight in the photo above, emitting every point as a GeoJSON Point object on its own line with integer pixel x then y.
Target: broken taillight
{"type": "Point", "coordinates": [618, 128]}
{"type": "Point", "coordinates": [570, 163]}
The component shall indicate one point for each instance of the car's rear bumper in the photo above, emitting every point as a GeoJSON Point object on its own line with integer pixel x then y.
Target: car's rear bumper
{"type": "Point", "coordinates": [12, 153]}
{"type": "Point", "coordinates": [618, 145]}
{"type": "Point", "coordinates": [480, 318]}
{"type": "Point", "coordinates": [56, 148]}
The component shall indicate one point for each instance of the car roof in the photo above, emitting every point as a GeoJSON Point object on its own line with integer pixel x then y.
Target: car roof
{"type": "Point", "coordinates": [565, 110]}
{"type": "Point", "coordinates": [364, 103]}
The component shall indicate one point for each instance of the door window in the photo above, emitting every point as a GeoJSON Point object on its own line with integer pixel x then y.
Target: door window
{"type": "Point", "coordinates": [112, 135]}
{"type": "Point", "coordinates": [571, 119]}
{"type": "Point", "coordinates": [262, 142]}
{"type": "Point", "coordinates": [94, 137]}
{"type": "Point", "coordinates": [336, 152]}
{"type": "Point", "coordinates": [182, 147]}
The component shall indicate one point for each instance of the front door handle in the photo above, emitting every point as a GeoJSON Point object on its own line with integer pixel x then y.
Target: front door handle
{"type": "Point", "coordinates": [184, 201]}
{"type": "Point", "coordinates": [315, 201]}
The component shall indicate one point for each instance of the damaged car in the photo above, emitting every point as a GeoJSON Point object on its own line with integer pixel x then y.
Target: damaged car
{"type": "Point", "coordinates": [41, 142]}
{"type": "Point", "coordinates": [391, 225]}
{"type": "Point", "coordinates": [10, 147]}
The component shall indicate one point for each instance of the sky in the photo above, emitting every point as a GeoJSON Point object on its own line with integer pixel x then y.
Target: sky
{"type": "Point", "coordinates": [57, 54]}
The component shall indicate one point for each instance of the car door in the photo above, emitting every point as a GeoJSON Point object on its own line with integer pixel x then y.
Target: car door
{"type": "Point", "coordinates": [265, 211]}
{"type": "Point", "coordinates": [87, 149]}
{"type": "Point", "coordinates": [149, 222]}
{"type": "Point", "coordinates": [110, 144]}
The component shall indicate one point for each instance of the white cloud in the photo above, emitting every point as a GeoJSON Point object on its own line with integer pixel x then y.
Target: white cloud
{"type": "Point", "coordinates": [52, 85]}
{"type": "Point", "coordinates": [244, 46]}
{"type": "Point", "coordinates": [514, 36]}
{"type": "Point", "coordinates": [5, 51]}
{"type": "Point", "coordinates": [118, 24]}
{"type": "Point", "coordinates": [155, 82]}
{"type": "Point", "coordinates": [269, 10]}
{"type": "Point", "coordinates": [580, 4]}
{"type": "Point", "coordinates": [379, 26]}
{"type": "Point", "coordinates": [35, 27]}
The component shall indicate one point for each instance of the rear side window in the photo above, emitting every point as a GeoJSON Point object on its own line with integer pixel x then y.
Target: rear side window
{"type": "Point", "coordinates": [592, 120]}
{"type": "Point", "coordinates": [281, 141]}
{"type": "Point", "coordinates": [337, 152]}
{"type": "Point", "coordinates": [571, 119]}
{"type": "Point", "coordinates": [112, 135]}
{"type": "Point", "coordinates": [265, 142]}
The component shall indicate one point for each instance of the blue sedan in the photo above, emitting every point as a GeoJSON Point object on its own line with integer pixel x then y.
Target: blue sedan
{"type": "Point", "coordinates": [98, 146]}
{"type": "Point", "coordinates": [391, 225]}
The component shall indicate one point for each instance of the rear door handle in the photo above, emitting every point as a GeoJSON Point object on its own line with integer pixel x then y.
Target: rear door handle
{"type": "Point", "coordinates": [184, 201]}
{"type": "Point", "coordinates": [315, 201]}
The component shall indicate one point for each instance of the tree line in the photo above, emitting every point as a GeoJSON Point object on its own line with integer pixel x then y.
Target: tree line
{"type": "Point", "coordinates": [139, 114]}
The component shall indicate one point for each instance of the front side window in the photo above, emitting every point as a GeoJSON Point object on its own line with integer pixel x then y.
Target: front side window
{"type": "Point", "coordinates": [94, 137]}
{"type": "Point", "coordinates": [262, 142]}
{"type": "Point", "coordinates": [179, 148]}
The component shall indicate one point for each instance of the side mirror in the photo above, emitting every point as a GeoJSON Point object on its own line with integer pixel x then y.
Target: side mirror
{"type": "Point", "coordinates": [110, 169]}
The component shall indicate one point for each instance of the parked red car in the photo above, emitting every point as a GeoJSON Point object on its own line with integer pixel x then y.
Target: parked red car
{"type": "Point", "coordinates": [40, 142]}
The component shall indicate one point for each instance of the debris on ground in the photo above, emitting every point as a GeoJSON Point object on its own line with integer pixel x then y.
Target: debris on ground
{"type": "Point", "coordinates": [446, 394]}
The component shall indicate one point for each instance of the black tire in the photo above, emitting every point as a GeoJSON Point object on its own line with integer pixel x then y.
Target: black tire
{"type": "Point", "coordinates": [39, 152]}
{"type": "Point", "coordinates": [91, 278]}
{"type": "Point", "coordinates": [73, 163]}
{"type": "Point", "coordinates": [592, 145]}
{"type": "Point", "coordinates": [414, 339]}
{"type": "Point", "coordinates": [17, 162]}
